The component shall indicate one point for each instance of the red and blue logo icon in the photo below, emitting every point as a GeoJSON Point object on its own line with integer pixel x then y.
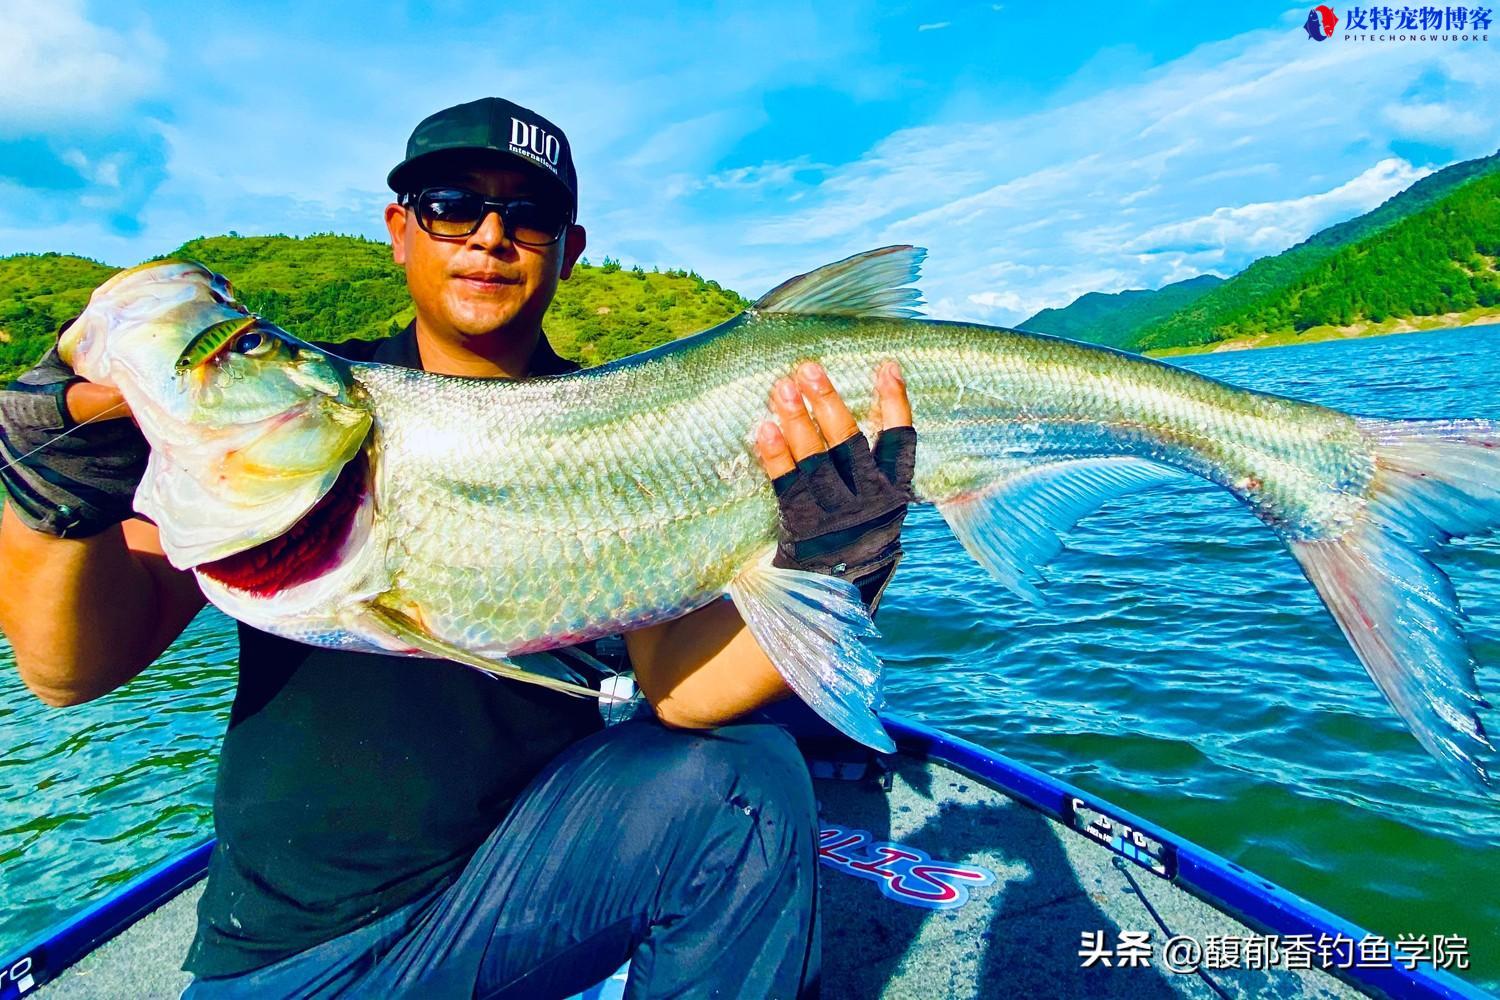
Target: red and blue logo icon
{"type": "Point", "coordinates": [1321, 21]}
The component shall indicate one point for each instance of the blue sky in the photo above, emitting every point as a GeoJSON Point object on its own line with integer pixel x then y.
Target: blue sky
{"type": "Point", "coordinates": [1038, 151]}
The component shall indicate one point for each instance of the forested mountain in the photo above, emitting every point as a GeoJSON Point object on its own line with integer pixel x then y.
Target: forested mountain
{"type": "Point", "coordinates": [1441, 260]}
{"type": "Point", "coordinates": [1114, 318]}
{"type": "Point", "coordinates": [337, 287]}
{"type": "Point", "coordinates": [38, 292]}
{"type": "Point", "coordinates": [1443, 218]}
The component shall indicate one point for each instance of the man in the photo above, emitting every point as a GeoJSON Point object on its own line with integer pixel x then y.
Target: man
{"type": "Point", "coordinates": [395, 827]}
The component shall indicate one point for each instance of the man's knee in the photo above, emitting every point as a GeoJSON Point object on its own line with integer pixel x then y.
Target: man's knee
{"type": "Point", "coordinates": [738, 804]}
{"type": "Point", "coordinates": [738, 862]}
{"type": "Point", "coordinates": [752, 766]}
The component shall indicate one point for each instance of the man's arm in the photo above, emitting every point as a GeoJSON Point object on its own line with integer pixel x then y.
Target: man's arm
{"type": "Point", "coordinates": [85, 615]}
{"type": "Point", "coordinates": [705, 669]}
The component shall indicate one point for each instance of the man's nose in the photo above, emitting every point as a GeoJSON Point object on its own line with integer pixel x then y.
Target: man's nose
{"type": "Point", "coordinates": [491, 232]}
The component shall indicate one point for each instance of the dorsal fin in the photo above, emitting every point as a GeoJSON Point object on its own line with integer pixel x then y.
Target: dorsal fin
{"type": "Point", "coordinates": [874, 283]}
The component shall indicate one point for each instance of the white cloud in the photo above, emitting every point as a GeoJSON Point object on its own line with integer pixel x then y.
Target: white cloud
{"type": "Point", "coordinates": [1024, 291]}
{"type": "Point", "coordinates": [759, 176]}
{"type": "Point", "coordinates": [1241, 147]}
{"type": "Point", "coordinates": [302, 140]}
{"type": "Point", "coordinates": [1241, 143]}
{"type": "Point", "coordinates": [57, 68]}
{"type": "Point", "coordinates": [1436, 121]}
{"type": "Point", "coordinates": [997, 300]}
{"type": "Point", "coordinates": [1136, 196]}
{"type": "Point", "coordinates": [935, 26]}
{"type": "Point", "coordinates": [1272, 226]}
{"type": "Point", "coordinates": [103, 171]}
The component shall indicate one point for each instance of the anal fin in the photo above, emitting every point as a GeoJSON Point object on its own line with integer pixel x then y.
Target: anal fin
{"type": "Point", "coordinates": [1014, 526]}
{"type": "Point", "coordinates": [541, 669]}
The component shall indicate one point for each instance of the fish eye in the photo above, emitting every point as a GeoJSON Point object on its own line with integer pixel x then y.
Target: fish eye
{"type": "Point", "coordinates": [254, 344]}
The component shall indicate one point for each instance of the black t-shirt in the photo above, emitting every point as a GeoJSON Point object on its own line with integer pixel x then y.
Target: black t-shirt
{"type": "Point", "coordinates": [351, 783]}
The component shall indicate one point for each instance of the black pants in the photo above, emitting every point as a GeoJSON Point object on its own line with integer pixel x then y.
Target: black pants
{"type": "Point", "coordinates": [693, 854]}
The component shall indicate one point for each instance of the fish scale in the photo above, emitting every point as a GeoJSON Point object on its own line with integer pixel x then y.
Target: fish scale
{"type": "Point", "coordinates": [669, 534]}
{"type": "Point", "coordinates": [502, 519]}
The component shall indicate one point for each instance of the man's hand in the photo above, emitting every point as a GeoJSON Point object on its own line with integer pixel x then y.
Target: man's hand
{"type": "Point", "coordinates": [89, 597]}
{"type": "Point", "coordinates": [70, 466]}
{"type": "Point", "coordinates": [705, 669]}
{"type": "Point", "coordinates": [842, 507]}
{"type": "Point", "coordinates": [88, 402]}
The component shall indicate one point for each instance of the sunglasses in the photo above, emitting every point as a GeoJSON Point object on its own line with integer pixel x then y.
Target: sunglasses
{"type": "Point", "coordinates": [450, 212]}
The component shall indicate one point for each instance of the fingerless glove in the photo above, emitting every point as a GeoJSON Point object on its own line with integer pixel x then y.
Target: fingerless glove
{"type": "Point", "coordinates": [63, 479]}
{"type": "Point", "coordinates": [842, 510]}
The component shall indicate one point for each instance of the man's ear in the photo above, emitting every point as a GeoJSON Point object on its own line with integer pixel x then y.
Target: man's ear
{"type": "Point", "coordinates": [574, 241]}
{"type": "Point", "coordinates": [395, 224]}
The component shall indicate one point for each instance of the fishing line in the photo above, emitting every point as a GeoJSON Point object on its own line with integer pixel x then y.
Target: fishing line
{"type": "Point", "coordinates": [1124, 869]}
{"type": "Point", "coordinates": [52, 441]}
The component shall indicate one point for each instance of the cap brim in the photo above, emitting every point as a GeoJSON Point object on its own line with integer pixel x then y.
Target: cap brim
{"type": "Point", "coordinates": [418, 172]}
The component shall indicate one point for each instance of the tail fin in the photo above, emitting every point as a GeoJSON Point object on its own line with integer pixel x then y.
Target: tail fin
{"type": "Point", "coordinates": [1434, 480]}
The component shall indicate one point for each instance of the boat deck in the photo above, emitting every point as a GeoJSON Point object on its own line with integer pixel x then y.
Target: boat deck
{"type": "Point", "coordinates": [141, 962]}
{"type": "Point", "coordinates": [1018, 936]}
{"type": "Point", "coordinates": [1021, 935]}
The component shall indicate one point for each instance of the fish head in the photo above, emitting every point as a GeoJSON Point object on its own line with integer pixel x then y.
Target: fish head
{"type": "Point", "coordinates": [249, 427]}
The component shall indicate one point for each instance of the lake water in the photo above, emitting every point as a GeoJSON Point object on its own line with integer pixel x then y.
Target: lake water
{"type": "Point", "coordinates": [1184, 669]}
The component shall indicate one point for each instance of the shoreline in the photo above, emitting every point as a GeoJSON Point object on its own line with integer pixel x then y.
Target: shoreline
{"type": "Point", "coordinates": [1478, 316]}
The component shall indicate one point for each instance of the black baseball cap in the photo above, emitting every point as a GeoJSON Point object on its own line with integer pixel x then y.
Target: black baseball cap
{"type": "Point", "coordinates": [489, 125]}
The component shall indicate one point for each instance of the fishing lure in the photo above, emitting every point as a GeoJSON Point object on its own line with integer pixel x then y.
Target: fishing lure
{"type": "Point", "coordinates": [207, 344]}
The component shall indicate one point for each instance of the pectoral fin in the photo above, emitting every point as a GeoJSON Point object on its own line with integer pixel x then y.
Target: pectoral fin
{"type": "Point", "coordinates": [811, 627]}
{"type": "Point", "coordinates": [541, 668]}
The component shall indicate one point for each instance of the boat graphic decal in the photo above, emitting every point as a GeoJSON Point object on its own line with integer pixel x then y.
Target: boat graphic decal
{"type": "Point", "coordinates": [17, 979]}
{"type": "Point", "coordinates": [905, 874]}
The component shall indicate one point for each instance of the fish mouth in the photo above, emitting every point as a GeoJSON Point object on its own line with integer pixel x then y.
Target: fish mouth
{"type": "Point", "coordinates": [311, 547]}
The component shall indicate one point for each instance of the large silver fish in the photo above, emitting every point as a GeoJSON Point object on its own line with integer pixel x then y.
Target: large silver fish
{"type": "Point", "coordinates": [487, 521]}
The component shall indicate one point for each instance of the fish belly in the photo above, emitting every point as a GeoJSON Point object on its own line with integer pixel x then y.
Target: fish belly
{"type": "Point", "coordinates": [508, 533]}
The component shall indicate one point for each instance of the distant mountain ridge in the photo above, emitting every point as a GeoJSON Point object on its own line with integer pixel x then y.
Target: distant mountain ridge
{"type": "Point", "coordinates": [334, 288]}
{"type": "Point", "coordinates": [1114, 318]}
{"type": "Point", "coordinates": [1442, 261]}
{"type": "Point", "coordinates": [1267, 294]}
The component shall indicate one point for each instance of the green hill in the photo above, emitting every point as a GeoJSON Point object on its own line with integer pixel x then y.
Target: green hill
{"type": "Point", "coordinates": [1441, 260]}
{"type": "Point", "coordinates": [1265, 296]}
{"type": "Point", "coordinates": [37, 293]}
{"type": "Point", "coordinates": [340, 287]}
{"type": "Point", "coordinates": [1113, 319]}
